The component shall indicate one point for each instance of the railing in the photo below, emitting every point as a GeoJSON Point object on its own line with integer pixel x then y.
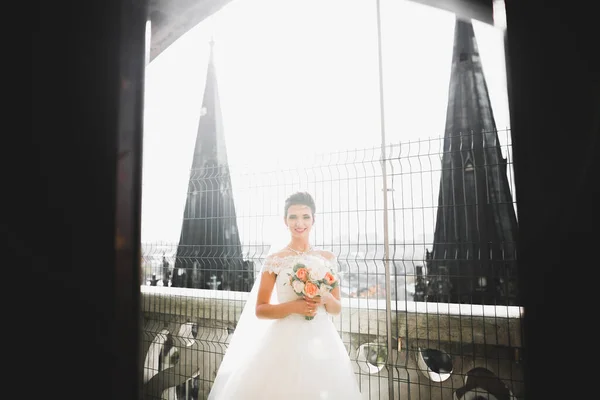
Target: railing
{"type": "Point", "coordinates": [452, 263]}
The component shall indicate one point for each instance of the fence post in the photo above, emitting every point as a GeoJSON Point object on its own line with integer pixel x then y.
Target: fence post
{"type": "Point", "coordinates": [386, 243]}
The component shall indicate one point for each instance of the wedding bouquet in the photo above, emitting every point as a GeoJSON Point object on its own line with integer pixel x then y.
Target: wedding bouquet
{"type": "Point", "coordinates": [311, 281]}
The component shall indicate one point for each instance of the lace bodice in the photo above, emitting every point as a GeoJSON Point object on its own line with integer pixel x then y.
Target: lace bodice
{"type": "Point", "coordinates": [283, 267]}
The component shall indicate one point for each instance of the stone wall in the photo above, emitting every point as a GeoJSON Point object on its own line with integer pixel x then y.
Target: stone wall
{"type": "Point", "coordinates": [483, 343]}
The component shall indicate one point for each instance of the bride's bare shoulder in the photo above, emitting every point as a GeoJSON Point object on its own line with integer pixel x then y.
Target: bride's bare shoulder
{"type": "Point", "coordinates": [326, 254]}
{"type": "Point", "coordinates": [280, 254]}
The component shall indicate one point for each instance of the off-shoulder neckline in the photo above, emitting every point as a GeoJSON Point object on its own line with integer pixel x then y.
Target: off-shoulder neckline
{"type": "Point", "coordinates": [315, 253]}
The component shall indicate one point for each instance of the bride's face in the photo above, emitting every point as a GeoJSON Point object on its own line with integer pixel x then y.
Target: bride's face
{"type": "Point", "coordinates": [299, 220]}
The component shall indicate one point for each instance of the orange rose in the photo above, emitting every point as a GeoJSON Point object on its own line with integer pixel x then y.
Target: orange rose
{"type": "Point", "coordinates": [302, 274]}
{"type": "Point", "coordinates": [310, 289]}
{"type": "Point", "coordinates": [329, 278]}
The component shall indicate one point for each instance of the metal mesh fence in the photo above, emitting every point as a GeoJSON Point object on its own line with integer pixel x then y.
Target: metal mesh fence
{"type": "Point", "coordinates": [455, 312]}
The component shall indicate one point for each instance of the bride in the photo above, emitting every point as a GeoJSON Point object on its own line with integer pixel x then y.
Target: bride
{"type": "Point", "coordinates": [276, 353]}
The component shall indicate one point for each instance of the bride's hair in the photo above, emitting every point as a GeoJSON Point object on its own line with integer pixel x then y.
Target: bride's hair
{"type": "Point", "coordinates": [300, 198]}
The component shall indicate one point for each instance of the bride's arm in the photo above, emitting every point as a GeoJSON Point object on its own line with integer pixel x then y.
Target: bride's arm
{"type": "Point", "coordinates": [265, 310]}
{"type": "Point", "coordinates": [333, 304]}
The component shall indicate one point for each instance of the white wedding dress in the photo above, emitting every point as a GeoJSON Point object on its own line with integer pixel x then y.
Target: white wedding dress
{"type": "Point", "coordinates": [289, 358]}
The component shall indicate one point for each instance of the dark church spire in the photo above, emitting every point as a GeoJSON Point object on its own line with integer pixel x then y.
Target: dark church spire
{"type": "Point", "coordinates": [473, 256]}
{"type": "Point", "coordinates": [209, 254]}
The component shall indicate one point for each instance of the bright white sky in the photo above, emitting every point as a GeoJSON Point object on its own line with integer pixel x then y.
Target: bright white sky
{"type": "Point", "coordinates": [298, 78]}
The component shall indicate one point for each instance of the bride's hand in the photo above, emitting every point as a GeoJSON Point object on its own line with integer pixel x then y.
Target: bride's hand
{"type": "Point", "coordinates": [304, 307]}
{"type": "Point", "coordinates": [319, 300]}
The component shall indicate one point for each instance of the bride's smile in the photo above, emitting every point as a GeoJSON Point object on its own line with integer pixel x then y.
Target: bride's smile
{"type": "Point", "coordinates": [299, 220]}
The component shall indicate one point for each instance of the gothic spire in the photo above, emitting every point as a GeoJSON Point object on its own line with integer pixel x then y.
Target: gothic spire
{"type": "Point", "coordinates": [473, 257]}
{"type": "Point", "coordinates": [209, 248]}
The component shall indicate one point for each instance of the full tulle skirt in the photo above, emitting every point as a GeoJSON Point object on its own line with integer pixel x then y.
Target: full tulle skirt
{"type": "Point", "coordinates": [295, 359]}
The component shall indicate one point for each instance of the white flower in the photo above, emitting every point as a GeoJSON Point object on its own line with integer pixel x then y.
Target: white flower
{"type": "Point", "coordinates": [323, 290]}
{"type": "Point", "coordinates": [298, 286]}
{"type": "Point", "coordinates": [318, 271]}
